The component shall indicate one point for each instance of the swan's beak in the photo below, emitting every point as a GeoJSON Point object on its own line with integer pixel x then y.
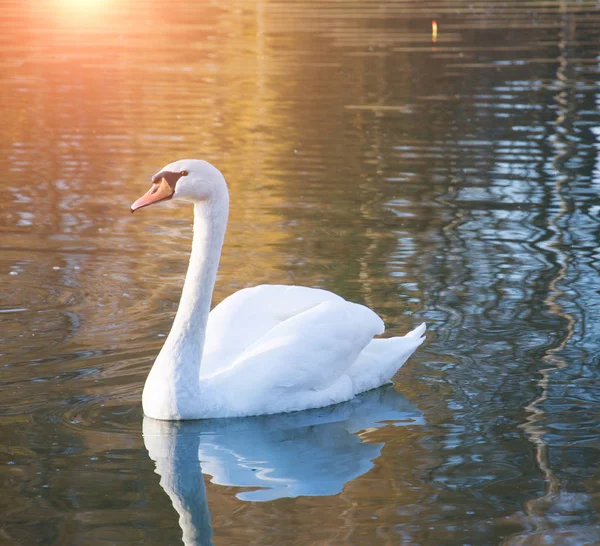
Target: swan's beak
{"type": "Point", "coordinates": [160, 191]}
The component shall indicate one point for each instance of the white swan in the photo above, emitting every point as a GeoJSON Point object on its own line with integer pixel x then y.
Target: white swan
{"type": "Point", "coordinates": [267, 349]}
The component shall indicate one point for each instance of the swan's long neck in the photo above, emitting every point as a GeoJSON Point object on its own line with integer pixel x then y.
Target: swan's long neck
{"type": "Point", "coordinates": [172, 390]}
{"type": "Point", "coordinates": [188, 331]}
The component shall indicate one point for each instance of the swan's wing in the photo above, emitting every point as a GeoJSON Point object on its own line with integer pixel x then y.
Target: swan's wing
{"type": "Point", "coordinates": [247, 315]}
{"type": "Point", "coordinates": [301, 362]}
{"type": "Point", "coordinates": [312, 349]}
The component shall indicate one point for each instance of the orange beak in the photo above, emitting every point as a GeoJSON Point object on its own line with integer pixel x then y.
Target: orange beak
{"type": "Point", "coordinates": [160, 191]}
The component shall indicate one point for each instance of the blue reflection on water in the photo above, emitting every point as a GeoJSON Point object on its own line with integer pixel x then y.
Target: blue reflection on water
{"type": "Point", "coordinates": [306, 453]}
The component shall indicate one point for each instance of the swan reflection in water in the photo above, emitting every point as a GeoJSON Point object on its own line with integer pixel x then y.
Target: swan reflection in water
{"type": "Point", "coordinates": [310, 453]}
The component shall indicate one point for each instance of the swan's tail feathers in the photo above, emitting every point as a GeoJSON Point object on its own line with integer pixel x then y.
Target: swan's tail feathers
{"type": "Point", "coordinates": [382, 358]}
{"type": "Point", "coordinates": [418, 332]}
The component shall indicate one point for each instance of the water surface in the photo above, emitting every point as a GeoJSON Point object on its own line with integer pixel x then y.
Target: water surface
{"type": "Point", "coordinates": [450, 177]}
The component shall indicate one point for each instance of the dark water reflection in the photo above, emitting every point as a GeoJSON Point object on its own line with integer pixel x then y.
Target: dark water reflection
{"type": "Point", "coordinates": [454, 181]}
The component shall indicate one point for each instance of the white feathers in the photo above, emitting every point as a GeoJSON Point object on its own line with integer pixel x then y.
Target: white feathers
{"type": "Point", "coordinates": [288, 348]}
{"type": "Point", "coordinates": [266, 349]}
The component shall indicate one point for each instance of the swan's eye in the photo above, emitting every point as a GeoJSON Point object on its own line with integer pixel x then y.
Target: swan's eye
{"type": "Point", "coordinates": [184, 173]}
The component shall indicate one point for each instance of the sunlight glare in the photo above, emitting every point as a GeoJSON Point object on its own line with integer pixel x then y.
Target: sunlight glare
{"type": "Point", "coordinates": [83, 4]}
{"type": "Point", "coordinates": [86, 12]}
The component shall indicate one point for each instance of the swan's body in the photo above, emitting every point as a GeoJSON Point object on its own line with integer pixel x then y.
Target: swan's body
{"type": "Point", "coordinates": [263, 350]}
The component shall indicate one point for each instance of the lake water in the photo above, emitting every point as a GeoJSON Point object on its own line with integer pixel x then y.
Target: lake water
{"type": "Point", "coordinates": [445, 172]}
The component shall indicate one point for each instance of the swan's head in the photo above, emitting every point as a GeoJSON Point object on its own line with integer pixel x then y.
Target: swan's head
{"type": "Point", "coordinates": [187, 179]}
